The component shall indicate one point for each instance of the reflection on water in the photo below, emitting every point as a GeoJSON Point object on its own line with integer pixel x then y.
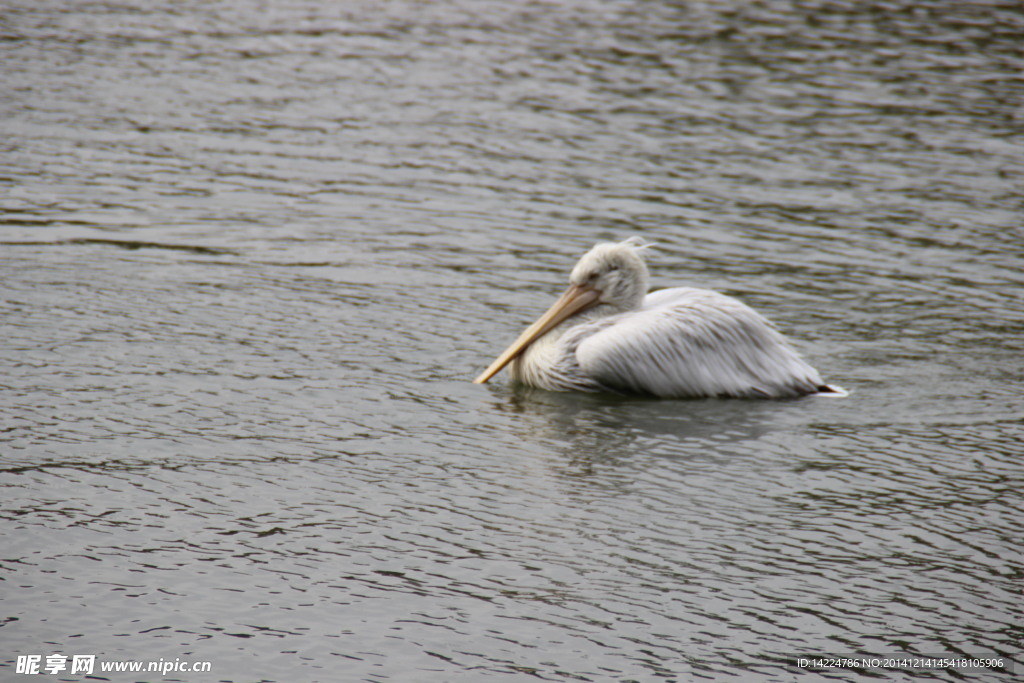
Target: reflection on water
{"type": "Point", "coordinates": [252, 256]}
{"type": "Point", "coordinates": [583, 427]}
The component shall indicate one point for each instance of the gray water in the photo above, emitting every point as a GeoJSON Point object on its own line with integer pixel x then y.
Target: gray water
{"type": "Point", "coordinates": [253, 254]}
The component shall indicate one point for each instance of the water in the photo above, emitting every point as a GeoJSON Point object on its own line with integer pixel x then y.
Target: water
{"type": "Point", "coordinates": [253, 254]}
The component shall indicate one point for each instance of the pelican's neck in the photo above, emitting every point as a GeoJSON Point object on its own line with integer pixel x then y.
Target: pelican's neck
{"type": "Point", "coordinates": [601, 310]}
{"type": "Point", "coordinates": [539, 365]}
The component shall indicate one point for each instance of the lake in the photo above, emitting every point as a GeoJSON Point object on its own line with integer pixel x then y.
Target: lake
{"type": "Point", "coordinates": [252, 255]}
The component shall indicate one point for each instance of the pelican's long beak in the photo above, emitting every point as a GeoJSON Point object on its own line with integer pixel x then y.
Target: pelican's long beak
{"type": "Point", "coordinates": [575, 299]}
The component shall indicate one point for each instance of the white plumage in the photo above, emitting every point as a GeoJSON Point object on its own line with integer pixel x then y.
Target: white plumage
{"type": "Point", "coordinates": [607, 334]}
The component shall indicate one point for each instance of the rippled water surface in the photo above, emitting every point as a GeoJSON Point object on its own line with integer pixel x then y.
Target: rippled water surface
{"type": "Point", "coordinates": [254, 252]}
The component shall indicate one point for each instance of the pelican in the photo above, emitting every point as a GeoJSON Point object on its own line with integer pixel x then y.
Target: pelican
{"type": "Point", "coordinates": [606, 333]}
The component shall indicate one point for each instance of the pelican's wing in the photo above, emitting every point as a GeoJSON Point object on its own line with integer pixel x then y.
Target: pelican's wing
{"type": "Point", "coordinates": [688, 342]}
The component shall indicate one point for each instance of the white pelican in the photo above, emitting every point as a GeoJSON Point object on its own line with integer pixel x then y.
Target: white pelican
{"type": "Point", "coordinates": [607, 334]}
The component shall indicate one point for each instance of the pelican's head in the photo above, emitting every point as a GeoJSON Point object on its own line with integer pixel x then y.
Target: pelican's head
{"type": "Point", "coordinates": [612, 273]}
{"type": "Point", "coordinates": [615, 271]}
